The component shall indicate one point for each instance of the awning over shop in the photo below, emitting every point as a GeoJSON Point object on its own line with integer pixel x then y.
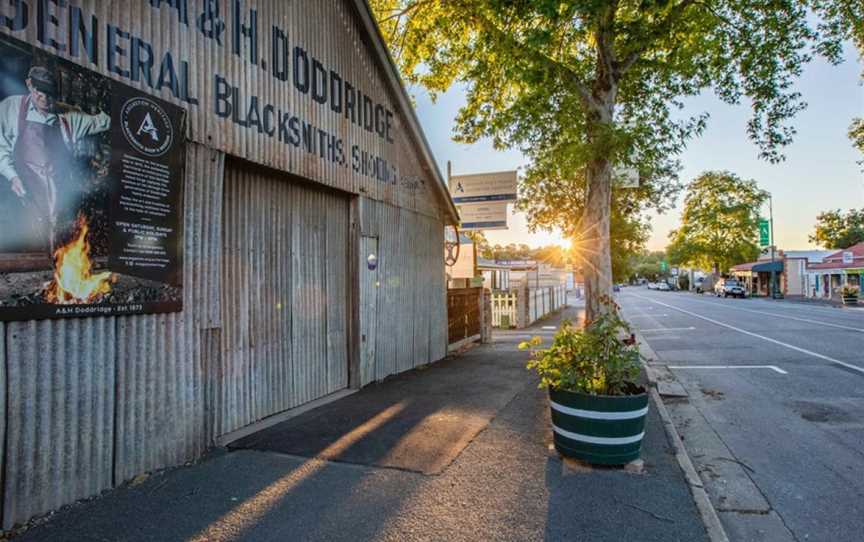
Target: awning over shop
{"type": "Point", "coordinates": [759, 267]}
{"type": "Point", "coordinates": [767, 267]}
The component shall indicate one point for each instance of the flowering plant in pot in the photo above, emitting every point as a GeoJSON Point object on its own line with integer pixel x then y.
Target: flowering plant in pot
{"type": "Point", "coordinates": [849, 294]}
{"type": "Point", "coordinates": [598, 408]}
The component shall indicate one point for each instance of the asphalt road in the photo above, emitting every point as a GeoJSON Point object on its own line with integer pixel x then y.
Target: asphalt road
{"type": "Point", "coordinates": [780, 448]}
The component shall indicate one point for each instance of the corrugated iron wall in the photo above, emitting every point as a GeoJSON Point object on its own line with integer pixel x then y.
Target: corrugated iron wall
{"type": "Point", "coordinates": [60, 419]}
{"type": "Point", "coordinates": [90, 403]}
{"type": "Point", "coordinates": [93, 402]}
{"type": "Point", "coordinates": [285, 295]}
{"type": "Point", "coordinates": [412, 305]}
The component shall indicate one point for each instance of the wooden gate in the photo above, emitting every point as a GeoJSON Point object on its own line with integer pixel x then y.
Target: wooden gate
{"type": "Point", "coordinates": [463, 314]}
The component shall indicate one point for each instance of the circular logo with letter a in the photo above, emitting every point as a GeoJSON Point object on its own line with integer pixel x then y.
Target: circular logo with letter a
{"type": "Point", "coordinates": [146, 126]}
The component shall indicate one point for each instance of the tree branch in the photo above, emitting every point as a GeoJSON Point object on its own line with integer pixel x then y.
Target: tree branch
{"type": "Point", "coordinates": [657, 32]}
{"type": "Point", "coordinates": [568, 73]}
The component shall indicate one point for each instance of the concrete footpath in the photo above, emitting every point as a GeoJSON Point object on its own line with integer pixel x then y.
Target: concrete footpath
{"type": "Point", "coordinates": [456, 451]}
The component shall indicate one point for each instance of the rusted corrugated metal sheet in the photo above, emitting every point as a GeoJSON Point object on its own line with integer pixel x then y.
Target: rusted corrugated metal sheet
{"type": "Point", "coordinates": [60, 426]}
{"type": "Point", "coordinates": [285, 273]}
{"type": "Point", "coordinates": [160, 378]}
{"type": "Point", "coordinates": [338, 34]}
{"type": "Point", "coordinates": [412, 313]}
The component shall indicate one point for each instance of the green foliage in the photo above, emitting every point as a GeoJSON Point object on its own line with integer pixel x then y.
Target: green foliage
{"type": "Point", "coordinates": [647, 265]}
{"type": "Point", "coordinates": [856, 134]}
{"type": "Point", "coordinates": [592, 360]}
{"type": "Point", "coordinates": [720, 223]}
{"type": "Point", "coordinates": [552, 200]}
{"type": "Point", "coordinates": [584, 86]}
{"type": "Point", "coordinates": [837, 230]}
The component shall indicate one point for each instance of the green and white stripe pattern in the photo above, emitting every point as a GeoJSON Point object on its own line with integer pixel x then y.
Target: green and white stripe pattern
{"type": "Point", "coordinates": [598, 429]}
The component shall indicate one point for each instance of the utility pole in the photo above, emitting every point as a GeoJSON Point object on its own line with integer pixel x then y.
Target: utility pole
{"type": "Point", "coordinates": [773, 272]}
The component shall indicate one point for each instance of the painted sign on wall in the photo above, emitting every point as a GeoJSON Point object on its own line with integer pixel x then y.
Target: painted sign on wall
{"type": "Point", "coordinates": [259, 79]}
{"type": "Point", "coordinates": [90, 192]}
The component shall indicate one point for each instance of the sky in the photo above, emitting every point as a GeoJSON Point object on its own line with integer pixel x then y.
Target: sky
{"type": "Point", "coordinates": [820, 171]}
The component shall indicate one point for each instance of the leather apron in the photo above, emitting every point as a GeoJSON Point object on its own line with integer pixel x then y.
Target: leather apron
{"type": "Point", "coordinates": [42, 159]}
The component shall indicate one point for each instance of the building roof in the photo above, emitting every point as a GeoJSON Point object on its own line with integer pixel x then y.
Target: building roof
{"type": "Point", "coordinates": [490, 264]}
{"type": "Point", "coordinates": [814, 256]}
{"type": "Point", "coordinates": [835, 259]}
{"type": "Point", "coordinates": [856, 250]}
{"type": "Point", "coordinates": [396, 84]}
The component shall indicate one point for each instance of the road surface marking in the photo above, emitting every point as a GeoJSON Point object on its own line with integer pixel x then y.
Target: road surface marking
{"type": "Point", "coordinates": [807, 320]}
{"type": "Point", "coordinates": [648, 315]}
{"type": "Point", "coordinates": [764, 338]}
{"type": "Point", "coordinates": [691, 328]}
{"type": "Point", "coordinates": [772, 367]}
{"type": "Point", "coordinates": [549, 327]}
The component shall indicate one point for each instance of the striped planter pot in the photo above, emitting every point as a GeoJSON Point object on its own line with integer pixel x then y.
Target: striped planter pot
{"type": "Point", "coordinates": [598, 429]}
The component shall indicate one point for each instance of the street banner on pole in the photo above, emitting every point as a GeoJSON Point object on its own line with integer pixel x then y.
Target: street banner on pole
{"type": "Point", "coordinates": [483, 187]}
{"type": "Point", "coordinates": [764, 232]}
{"type": "Point", "coordinates": [483, 216]}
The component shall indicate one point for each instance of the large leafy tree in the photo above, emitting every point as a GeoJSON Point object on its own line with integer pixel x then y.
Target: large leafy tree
{"type": "Point", "coordinates": [719, 224]}
{"type": "Point", "coordinates": [591, 85]}
{"type": "Point", "coordinates": [838, 230]}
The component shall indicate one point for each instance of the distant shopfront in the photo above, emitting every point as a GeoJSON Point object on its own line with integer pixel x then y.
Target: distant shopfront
{"type": "Point", "coordinates": [844, 267]}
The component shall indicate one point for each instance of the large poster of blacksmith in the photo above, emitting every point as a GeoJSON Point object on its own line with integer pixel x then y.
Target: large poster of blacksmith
{"type": "Point", "coordinates": [90, 192]}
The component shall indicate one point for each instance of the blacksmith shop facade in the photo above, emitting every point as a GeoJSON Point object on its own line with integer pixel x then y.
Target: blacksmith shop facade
{"type": "Point", "coordinates": [227, 273]}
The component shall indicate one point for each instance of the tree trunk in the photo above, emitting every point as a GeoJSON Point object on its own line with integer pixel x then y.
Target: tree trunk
{"type": "Point", "coordinates": [596, 253]}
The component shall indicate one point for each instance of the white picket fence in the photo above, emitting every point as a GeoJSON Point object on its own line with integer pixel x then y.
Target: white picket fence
{"type": "Point", "coordinates": [504, 309]}
{"type": "Point", "coordinates": [540, 302]}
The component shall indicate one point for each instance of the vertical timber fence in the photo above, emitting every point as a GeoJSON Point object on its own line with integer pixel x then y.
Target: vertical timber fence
{"type": "Point", "coordinates": [463, 316]}
{"type": "Point", "coordinates": [521, 308]}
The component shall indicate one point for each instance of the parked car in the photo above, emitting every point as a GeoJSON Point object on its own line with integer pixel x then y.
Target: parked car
{"type": "Point", "coordinates": [663, 286]}
{"type": "Point", "coordinates": [727, 287]}
{"type": "Point", "coordinates": [652, 285]}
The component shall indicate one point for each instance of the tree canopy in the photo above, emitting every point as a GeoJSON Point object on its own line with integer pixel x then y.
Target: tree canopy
{"type": "Point", "coordinates": [838, 230]}
{"type": "Point", "coordinates": [719, 224]}
{"type": "Point", "coordinates": [583, 87]}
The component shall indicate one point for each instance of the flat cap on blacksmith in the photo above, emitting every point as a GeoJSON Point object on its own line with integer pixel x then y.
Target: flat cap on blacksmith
{"type": "Point", "coordinates": [43, 80]}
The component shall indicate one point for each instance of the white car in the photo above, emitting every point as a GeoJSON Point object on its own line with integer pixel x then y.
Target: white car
{"type": "Point", "coordinates": [663, 286]}
{"type": "Point", "coordinates": [652, 285]}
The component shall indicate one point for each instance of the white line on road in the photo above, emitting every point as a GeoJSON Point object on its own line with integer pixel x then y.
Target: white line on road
{"type": "Point", "coordinates": [772, 367]}
{"type": "Point", "coordinates": [691, 328]}
{"type": "Point", "coordinates": [764, 338]}
{"type": "Point", "coordinates": [549, 327]}
{"type": "Point", "coordinates": [807, 320]}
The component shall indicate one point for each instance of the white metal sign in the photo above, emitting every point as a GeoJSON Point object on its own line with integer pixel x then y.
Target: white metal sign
{"type": "Point", "coordinates": [483, 187]}
{"type": "Point", "coordinates": [848, 257]}
{"type": "Point", "coordinates": [483, 216]}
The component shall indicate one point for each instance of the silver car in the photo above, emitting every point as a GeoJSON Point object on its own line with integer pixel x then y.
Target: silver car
{"type": "Point", "coordinates": [729, 287]}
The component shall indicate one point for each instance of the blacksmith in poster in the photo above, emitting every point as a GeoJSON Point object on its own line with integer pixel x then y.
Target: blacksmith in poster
{"type": "Point", "coordinates": [36, 144]}
{"type": "Point", "coordinates": [91, 175]}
